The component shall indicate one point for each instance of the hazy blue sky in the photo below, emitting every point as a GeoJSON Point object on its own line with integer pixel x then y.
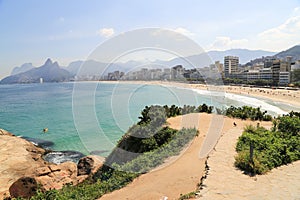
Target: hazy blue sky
{"type": "Point", "coordinates": [67, 30]}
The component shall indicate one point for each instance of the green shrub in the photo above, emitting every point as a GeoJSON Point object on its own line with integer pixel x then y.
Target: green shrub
{"type": "Point", "coordinates": [272, 148]}
{"type": "Point", "coordinates": [247, 112]}
{"type": "Point", "coordinates": [187, 196]}
{"type": "Point", "coordinates": [147, 161]}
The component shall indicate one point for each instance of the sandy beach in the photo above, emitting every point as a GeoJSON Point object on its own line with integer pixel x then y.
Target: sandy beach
{"type": "Point", "coordinates": [291, 97]}
{"type": "Point", "coordinates": [182, 175]}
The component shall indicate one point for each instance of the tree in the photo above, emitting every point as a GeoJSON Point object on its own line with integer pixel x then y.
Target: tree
{"type": "Point", "coordinates": [295, 75]}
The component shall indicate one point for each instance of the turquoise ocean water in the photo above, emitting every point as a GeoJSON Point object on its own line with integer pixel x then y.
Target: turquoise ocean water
{"type": "Point", "coordinates": [75, 119]}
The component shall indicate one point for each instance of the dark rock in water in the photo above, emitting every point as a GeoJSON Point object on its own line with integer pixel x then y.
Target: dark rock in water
{"type": "Point", "coordinates": [39, 142]}
{"type": "Point", "coordinates": [59, 157]}
{"type": "Point", "coordinates": [99, 152]}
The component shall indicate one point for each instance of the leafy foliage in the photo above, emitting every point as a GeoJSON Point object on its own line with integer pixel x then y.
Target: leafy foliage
{"type": "Point", "coordinates": [272, 148]}
{"type": "Point", "coordinates": [247, 112]}
{"type": "Point", "coordinates": [146, 161]}
{"type": "Point", "coordinates": [189, 195]}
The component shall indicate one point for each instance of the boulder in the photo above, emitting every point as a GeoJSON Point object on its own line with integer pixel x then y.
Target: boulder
{"type": "Point", "coordinates": [24, 187]}
{"type": "Point", "coordinates": [58, 175]}
{"type": "Point", "coordinates": [89, 165]}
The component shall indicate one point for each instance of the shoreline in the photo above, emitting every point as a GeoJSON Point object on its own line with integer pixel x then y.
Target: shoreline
{"type": "Point", "coordinates": [290, 97]}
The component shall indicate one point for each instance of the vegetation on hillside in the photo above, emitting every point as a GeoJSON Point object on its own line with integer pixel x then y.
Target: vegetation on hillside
{"type": "Point", "coordinates": [271, 148]}
{"type": "Point", "coordinates": [245, 112]}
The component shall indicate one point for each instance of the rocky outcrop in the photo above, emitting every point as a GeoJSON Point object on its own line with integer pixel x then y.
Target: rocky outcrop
{"type": "Point", "coordinates": [56, 176]}
{"type": "Point", "coordinates": [18, 158]}
{"type": "Point", "coordinates": [23, 168]}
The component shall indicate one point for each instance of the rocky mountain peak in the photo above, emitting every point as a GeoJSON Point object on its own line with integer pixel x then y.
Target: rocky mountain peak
{"type": "Point", "coordinates": [48, 62]}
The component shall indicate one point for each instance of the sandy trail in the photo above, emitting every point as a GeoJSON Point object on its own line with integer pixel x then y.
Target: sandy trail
{"type": "Point", "coordinates": [224, 181]}
{"type": "Point", "coordinates": [182, 175]}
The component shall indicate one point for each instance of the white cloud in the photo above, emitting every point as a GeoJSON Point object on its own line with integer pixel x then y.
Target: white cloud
{"type": "Point", "coordinates": [289, 28]}
{"type": "Point", "coordinates": [106, 32]}
{"type": "Point", "coordinates": [183, 31]}
{"type": "Point", "coordinates": [275, 39]}
{"type": "Point", "coordinates": [282, 36]}
{"type": "Point", "coordinates": [224, 43]}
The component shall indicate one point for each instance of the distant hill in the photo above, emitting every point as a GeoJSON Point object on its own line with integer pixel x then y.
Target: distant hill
{"type": "Point", "coordinates": [294, 52]}
{"type": "Point", "coordinates": [96, 68]}
{"type": "Point", "coordinates": [23, 68]}
{"type": "Point", "coordinates": [50, 72]}
{"type": "Point", "coordinates": [92, 67]}
{"type": "Point", "coordinates": [245, 55]}
{"type": "Point", "coordinates": [207, 58]}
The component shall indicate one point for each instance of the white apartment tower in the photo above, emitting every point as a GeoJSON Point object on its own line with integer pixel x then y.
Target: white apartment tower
{"type": "Point", "coordinates": [231, 64]}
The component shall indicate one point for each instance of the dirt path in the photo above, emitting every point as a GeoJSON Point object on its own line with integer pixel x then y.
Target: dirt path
{"type": "Point", "coordinates": [179, 177]}
{"type": "Point", "coordinates": [182, 175]}
{"type": "Point", "coordinates": [224, 181]}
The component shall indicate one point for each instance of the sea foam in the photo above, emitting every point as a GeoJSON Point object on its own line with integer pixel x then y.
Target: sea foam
{"type": "Point", "coordinates": [244, 100]}
{"type": "Point", "coordinates": [228, 99]}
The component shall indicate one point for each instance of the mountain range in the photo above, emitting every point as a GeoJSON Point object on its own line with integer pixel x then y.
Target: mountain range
{"type": "Point", "coordinates": [49, 72]}
{"type": "Point", "coordinates": [52, 72]}
{"type": "Point", "coordinates": [23, 68]}
{"type": "Point", "coordinates": [244, 55]}
{"type": "Point", "coordinates": [294, 52]}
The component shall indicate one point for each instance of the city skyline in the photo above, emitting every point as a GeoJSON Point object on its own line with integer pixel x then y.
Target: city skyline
{"type": "Point", "coordinates": [67, 31]}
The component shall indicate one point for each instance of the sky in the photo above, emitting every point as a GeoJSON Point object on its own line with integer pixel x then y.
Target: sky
{"type": "Point", "coordinates": [69, 30]}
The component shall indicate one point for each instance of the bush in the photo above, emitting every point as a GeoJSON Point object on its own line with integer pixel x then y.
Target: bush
{"type": "Point", "coordinates": [272, 148]}
{"type": "Point", "coordinates": [247, 112]}
{"type": "Point", "coordinates": [242, 161]}
{"type": "Point", "coordinates": [147, 161]}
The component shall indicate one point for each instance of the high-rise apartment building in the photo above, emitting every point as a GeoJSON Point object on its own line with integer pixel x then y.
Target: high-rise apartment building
{"type": "Point", "coordinates": [231, 65]}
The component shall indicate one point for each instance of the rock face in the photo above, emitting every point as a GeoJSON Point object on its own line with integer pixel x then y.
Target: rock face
{"type": "Point", "coordinates": [56, 176]}
{"type": "Point", "coordinates": [18, 158]}
{"type": "Point", "coordinates": [23, 168]}
{"type": "Point", "coordinates": [89, 165]}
